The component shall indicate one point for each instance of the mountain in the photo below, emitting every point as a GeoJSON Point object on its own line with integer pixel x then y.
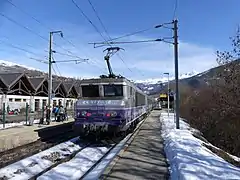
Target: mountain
{"type": "Point", "coordinates": [7, 66]}
{"type": "Point", "coordinates": [192, 80]}
{"type": "Point", "coordinates": [149, 86]}
{"type": "Point", "coordinates": [156, 85]}
{"type": "Point", "coordinates": [165, 79]}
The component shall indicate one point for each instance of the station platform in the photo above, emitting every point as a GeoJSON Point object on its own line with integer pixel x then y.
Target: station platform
{"type": "Point", "coordinates": [144, 158]}
{"type": "Point", "coordinates": [21, 135]}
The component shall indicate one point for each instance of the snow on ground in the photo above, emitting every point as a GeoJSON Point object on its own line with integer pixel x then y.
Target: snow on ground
{"type": "Point", "coordinates": [97, 171]}
{"type": "Point", "coordinates": [33, 165]}
{"type": "Point", "coordinates": [100, 168]}
{"type": "Point", "coordinates": [188, 158]}
{"type": "Point", "coordinates": [76, 167]}
{"type": "Point", "coordinates": [11, 125]}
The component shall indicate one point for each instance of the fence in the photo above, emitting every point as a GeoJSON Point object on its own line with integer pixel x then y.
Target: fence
{"type": "Point", "coordinates": [25, 116]}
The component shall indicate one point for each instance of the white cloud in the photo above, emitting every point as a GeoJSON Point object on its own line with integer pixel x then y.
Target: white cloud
{"type": "Point", "coordinates": [160, 59]}
{"type": "Point", "coordinates": [146, 61]}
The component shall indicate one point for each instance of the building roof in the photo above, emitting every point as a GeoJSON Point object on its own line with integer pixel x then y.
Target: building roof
{"type": "Point", "coordinates": [59, 88]}
{"type": "Point", "coordinates": [37, 81]}
{"type": "Point", "coordinates": [55, 85]}
{"type": "Point", "coordinates": [69, 85]}
{"type": "Point", "coordinates": [71, 88]}
{"type": "Point", "coordinates": [3, 86]}
{"type": "Point", "coordinates": [10, 78]}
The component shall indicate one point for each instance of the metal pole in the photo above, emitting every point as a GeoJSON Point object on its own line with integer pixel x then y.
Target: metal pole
{"type": "Point", "coordinates": [168, 95]}
{"type": "Point", "coordinates": [26, 113]}
{"type": "Point", "coordinates": [4, 115]}
{"type": "Point", "coordinates": [43, 111]}
{"type": "Point", "coordinates": [176, 70]}
{"type": "Point", "coordinates": [50, 72]}
{"type": "Point", "coordinates": [174, 110]}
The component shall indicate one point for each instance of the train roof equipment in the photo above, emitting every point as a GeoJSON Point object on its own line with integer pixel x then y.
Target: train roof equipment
{"type": "Point", "coordinates": [110, 52]}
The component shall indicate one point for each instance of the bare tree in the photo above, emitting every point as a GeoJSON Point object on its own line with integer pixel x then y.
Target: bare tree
{"type": "Point", "coordinates": [215, 109]}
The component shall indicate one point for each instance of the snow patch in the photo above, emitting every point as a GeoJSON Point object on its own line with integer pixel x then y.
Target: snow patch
{"type": "Point", "coordinates": [205, 72]}
{"type": "Point", "coordinates": [36, 121]}
{"type": "Point", "coordinates": [76, 167]}
{"type": "Point", "coordinates": [8, 63]}
{"type": "Point", "coordinates": [165, 79]}
{"type": "Point", "coordinates": [187, 156]}
{"type": "Point", "coordinates": [33, 165]}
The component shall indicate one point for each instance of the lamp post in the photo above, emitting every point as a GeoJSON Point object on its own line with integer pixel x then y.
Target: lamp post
{"type": "Point", "coordinates": [168, 92]}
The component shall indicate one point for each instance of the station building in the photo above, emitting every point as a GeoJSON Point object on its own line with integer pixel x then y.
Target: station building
{"type": "Point", "coordinates": [17, 89]}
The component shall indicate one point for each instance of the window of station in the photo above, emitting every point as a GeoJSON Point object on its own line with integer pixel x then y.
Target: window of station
{"type": "Point", "coordinates": [18, 100]}
{"type": "Point", "coordinates": [113, 90]}
{"type": "Point", "coordinates": [90, 91]}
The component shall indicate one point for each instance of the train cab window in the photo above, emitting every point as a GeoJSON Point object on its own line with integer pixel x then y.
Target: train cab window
{"type": "Point", "coordinates": [113, 90]}
{"type": "Point", "coordinates": [90, 91]}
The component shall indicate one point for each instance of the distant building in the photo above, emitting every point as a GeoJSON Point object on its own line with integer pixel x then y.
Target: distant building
{"type": "Point", "coordinates": [17, 89]}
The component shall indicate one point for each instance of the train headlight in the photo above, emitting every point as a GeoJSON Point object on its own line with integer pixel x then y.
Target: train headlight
{"type": "Point", "coordinates": [84, 113]}
{"type": "Point", "coordinates": [111, 114]}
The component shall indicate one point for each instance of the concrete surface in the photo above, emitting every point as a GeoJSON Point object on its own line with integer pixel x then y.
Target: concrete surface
{"type": "Point", "coordinates": [145, 156]}
{"type": "Point", "coordinates": [21, 135]}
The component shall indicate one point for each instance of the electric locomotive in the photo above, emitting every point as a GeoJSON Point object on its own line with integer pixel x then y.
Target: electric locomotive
{"type": "Point", "coordinates": [109, 105]}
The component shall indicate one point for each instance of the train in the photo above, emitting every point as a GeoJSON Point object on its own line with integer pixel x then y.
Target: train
{"type": "Point", "coordinates": [109, 105]}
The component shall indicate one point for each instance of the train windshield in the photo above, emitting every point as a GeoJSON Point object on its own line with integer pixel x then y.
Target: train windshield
{"type": "Point", "coordinates": [113, 90]}
{"type": "Point", "coordinates": [90, 91]}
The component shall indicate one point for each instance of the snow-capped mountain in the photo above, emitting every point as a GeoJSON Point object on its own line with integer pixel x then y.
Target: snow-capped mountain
{"type": "Point", "coordinates": [155, 85]}
{"type": "Point", "coordinates": [149, 86]}
{"type": "Point", "coordinates": [8, 66]}
{"type": "Point", "coordinates": [12, 64]}
{"type": "Point", "coordinates": [165, 79]}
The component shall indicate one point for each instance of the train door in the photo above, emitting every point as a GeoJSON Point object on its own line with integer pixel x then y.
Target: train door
{"type": "Point", "coordinates": [132, 100]}
{"type": "Point", "coordinates": [128, 102]}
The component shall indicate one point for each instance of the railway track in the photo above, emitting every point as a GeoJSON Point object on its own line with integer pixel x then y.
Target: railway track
{"type": "Point", "coordinates": [85, 158]}
{"type": "Point", "coordinates": [92, 161]}
{"type": "Point", "coordinates": [106, 163]}
{"type": "Point", "coordinates": [13, 155]}
{"type": "Point", "coordinates": [83, 161]}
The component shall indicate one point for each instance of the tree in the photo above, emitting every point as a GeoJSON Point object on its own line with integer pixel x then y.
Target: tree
{"type": "Point", "coordinates": [215, 109]}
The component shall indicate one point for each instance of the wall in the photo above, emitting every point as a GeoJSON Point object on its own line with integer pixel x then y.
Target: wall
{"type": "Point", "coordinates": [35, 102]}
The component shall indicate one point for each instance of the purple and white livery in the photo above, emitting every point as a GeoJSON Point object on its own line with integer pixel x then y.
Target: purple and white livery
{"type": "Point", "coordinates": [110, 105]}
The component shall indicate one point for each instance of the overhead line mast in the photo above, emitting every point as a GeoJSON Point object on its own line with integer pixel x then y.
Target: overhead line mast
{"type": "Point", "coordinates": [166, 40]}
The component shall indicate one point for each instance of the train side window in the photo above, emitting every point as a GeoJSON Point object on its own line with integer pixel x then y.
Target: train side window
{"type": "Point", "coordinates": [131, 90]}
{"type": "Point", "coordinates": [113, 90]}
{"type": "Point", "coordinates": [139, 99]}
{"type": "Point", "coordinates": [90, 91]}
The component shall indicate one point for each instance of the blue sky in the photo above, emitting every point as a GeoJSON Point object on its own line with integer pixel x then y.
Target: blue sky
{"type": "Point", "coordinates": [204, 27]}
